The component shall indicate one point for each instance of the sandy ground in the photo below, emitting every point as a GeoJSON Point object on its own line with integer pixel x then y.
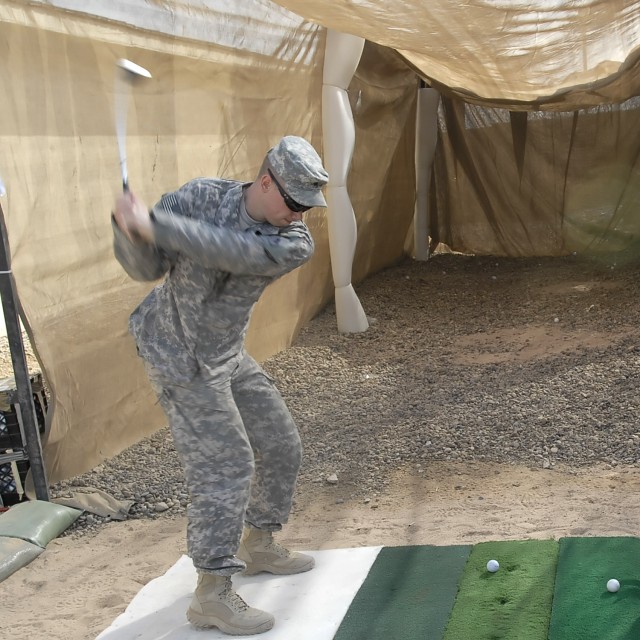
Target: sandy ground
{"type": "Point", "coordinates": [78, 586]}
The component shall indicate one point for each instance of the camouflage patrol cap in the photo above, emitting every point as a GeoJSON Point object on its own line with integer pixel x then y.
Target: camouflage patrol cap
{"type": "Point", "coordinates": [300, 170]}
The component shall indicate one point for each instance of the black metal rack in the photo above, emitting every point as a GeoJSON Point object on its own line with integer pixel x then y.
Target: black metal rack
{"type": "Point", "coordinates": [14, 458]}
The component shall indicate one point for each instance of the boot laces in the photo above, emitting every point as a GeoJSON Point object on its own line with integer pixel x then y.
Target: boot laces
{"type": "Point", "coordinates": [278, 549]}
{"type": "Point", "coordinates": [232, 599]}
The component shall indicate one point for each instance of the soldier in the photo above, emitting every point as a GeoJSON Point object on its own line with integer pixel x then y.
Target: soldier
{"type": "Point", "coordinates": [220, 243]}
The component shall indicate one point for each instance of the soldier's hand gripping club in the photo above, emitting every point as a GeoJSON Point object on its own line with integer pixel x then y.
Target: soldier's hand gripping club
{"type": "Point", "coordinates": [132, 217]}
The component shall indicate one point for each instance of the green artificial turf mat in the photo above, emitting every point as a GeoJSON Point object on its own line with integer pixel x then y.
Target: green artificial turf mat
{"type": "Point", "coordinates": [583, 609]}
{"type": "Point", "coordinates": [407, 595]}
{"type": "Point", "coordinates": [512, 604]}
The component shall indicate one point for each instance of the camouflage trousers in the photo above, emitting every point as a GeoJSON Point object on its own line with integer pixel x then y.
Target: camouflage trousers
{"type": "Point", "coordinates": [240, 451]}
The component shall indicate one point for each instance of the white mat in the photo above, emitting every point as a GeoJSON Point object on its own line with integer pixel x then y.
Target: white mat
{"type": "Point", "coordinates": [308, 605]}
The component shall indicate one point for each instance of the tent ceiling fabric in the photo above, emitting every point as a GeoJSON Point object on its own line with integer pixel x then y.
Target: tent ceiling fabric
{"type": "Point", "coordinates": [257, 27]}
{"type": "Point", "coordinates": [533, 52]}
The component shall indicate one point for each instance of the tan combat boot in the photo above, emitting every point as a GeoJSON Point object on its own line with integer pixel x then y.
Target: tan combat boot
{"type": "Point", "coordinates": [216, 604]}
{"type": "Point", "coordinates": [262, 553]}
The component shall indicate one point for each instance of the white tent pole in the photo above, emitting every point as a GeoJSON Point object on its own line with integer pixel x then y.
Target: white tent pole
{"type": "Point", "coordinates": [342, 55]}
{"type": "Point", "coordinates": [426, 138]}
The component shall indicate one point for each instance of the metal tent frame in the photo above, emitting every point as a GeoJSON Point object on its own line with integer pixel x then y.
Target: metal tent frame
{"type": "Point", "coordinates": [25, 408]}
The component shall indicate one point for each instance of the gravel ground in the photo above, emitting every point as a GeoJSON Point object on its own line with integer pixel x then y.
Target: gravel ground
{"type": "Point", "coordinates": [524, 361]}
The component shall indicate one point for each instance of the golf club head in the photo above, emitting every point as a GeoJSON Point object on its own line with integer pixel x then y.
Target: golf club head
{"type": "Point", "coordinates": [131, 70]}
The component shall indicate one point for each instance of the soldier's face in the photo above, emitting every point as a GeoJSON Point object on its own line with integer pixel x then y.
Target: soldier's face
{"type": "Point", "coordinates": [276, 211]}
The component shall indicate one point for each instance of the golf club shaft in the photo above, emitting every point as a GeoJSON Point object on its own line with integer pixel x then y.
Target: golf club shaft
{"type": "Point", "coordinates": [126, 73]}
{"type": "Point", "coordinates": [121, 131]}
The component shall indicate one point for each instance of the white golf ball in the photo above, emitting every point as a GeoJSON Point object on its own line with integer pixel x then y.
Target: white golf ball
{"type": "Point", "coordinates": [493, 566]}
{"type": "Point", "coordinates": [613, 585]}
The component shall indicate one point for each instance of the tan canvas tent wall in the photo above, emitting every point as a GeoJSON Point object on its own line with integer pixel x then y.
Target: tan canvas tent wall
{"type": "Point", "coordinates": [212, 108]}
{"type": "Point", "coordinates": [537, 183]}
{"type": "Point", "coordinates": [229, 79]}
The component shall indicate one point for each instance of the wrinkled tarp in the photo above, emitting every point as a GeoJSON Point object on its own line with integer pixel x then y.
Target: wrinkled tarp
{"type": "Point", "coordinates": [518, 53]}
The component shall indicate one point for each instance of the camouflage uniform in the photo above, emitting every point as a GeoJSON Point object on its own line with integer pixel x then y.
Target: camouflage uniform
{"type": "Point", "coordinates": [239, 446]}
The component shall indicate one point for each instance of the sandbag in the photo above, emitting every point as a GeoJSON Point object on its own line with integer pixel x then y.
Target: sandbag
{"type": "Point", "coordinates": [37, 521]}
{"type": "Point", "coordinates": [15, 554]}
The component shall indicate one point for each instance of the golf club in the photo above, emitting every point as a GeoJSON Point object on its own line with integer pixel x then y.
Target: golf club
{"type": "Point", "coordinates": [127, 74]}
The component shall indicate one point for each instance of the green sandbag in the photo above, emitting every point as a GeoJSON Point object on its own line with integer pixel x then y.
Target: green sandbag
{"type": "Point", "coordinates": [37, 521]}
{"type": "Point", "coordinates": [15, 554]}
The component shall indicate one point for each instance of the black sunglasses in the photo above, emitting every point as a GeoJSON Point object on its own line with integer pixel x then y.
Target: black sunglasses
{"type": "Point", "coordinates": [290, 203]}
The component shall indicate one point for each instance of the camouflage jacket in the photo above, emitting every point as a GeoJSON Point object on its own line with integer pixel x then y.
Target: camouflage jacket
{"type": "Point", "coordinates": [216, 263]}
